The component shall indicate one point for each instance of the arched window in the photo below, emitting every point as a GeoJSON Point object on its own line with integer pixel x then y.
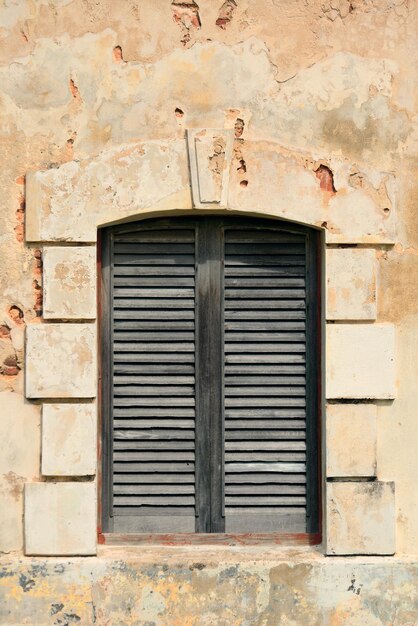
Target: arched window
{"type": "Point", "coordinates": [210, 376]}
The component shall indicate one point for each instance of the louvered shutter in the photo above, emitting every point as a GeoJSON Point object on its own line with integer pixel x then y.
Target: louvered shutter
{"type": "Point", "coordinates": [153, 302]}
{"type": "Point", "coordinates": [265, 381]}
{"type": "Point", "coordinates": [210, 377]}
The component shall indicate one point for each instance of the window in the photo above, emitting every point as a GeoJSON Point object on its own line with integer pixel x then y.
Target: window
{"type": "Point", "coordinates": [210, 376]}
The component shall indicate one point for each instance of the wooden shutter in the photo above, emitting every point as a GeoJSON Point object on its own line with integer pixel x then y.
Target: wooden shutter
{"type": "Point", "coordinates": [210, 376]}
{"type": "Point", "coordinates": [265, 381]}
{"type": "Point", "coordinates": [153, 395]}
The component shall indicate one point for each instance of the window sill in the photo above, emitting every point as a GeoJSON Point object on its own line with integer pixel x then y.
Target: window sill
{"type": "Point", "coordinates": [251, 544]}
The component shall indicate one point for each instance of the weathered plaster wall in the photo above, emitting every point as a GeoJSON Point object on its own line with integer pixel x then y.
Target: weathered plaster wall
{"type": "Point", "coordinates": [212, 588]}
{"type": "Point", "coordinates": [303, 84]}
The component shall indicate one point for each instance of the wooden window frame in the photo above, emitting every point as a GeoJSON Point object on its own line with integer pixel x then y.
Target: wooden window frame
{"type": "Point", "coordinates": [313, 535]}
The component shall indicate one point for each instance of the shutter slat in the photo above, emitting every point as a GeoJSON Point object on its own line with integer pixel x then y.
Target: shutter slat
{"type": "Point", "coordinates": [156, 489]}
{"type": "Point", "coordinates": [263, 456]}
{"type": "Point", "coordinates": [263, 433]}
{"type": "Point", "coordinates": [143, 468]}
{"type": "Point", "coordinates": [260, 445]}
{"type": "Point", "coordinates": [255, 368]}
{"type": "Point", "coordinates": [152, 500]}
{"type": "Point", "coordinates": [255, 413]}
{"type": "Point", "coordinates": [147, 423]}
{"type": "Point", "coordinates": [153, 314]}
{"type": "Point", "coordinates": [135, 281]}
{"type": "Point", "coordinates": [174, 346]}
{"type": "Point", "coordinates": [154, 270]}
{"type": "Point", "coordinates": [265, 380]}
{"type": "Point", "coordinates": [155, 445]}
{"type": "Point", "coordinates": [262, 235]}
{"type": "Point", "coordinates": [153, 412]}
{"type": "Point", "coordinates": [285, 259]}
{"type": "Point", "coordinates": [277, 468]}
{"type": "Point", "coordinates": [142, 390]}
{"type": "Point", "coordinates": [264, 478]}
{"type": "Point", "coordinates": [147, 455]}
{"type": "Point", "coordinates": [140, 234]}
{"type": "Point", "coordinates": [241, 304]}
{"type": "Point", "coordinates": [263, 271]}
{"type": "Point", "coordinates": [276, 401]}
{"type": "Point", "coordinates": [153, 434]}
{"type": "Point", "coordinates": [153, 247]}
{"type": "Point", "coordinates": [286, 390]}
{"type": "Point", "coordinates": [264, 489]}
{"type": "Point", "coordinates": [260, 294]}
{"type": "Point", "coordinates": [294, 424]}
{"type": "Point", "coordinates": [160, 361]}
{"type": "Point", "coordinates": [254, 500]}
{"type": "Point", "coordinates": [265, 283]}
{"type": "Point", "coordinates": [132, 379]}
{"type": "Point", "coordinates": [268, 315]}
{"type": "Point", "coordinates": [153, 480]}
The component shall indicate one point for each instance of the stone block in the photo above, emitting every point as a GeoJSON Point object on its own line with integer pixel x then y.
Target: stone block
{"type": "Point", "coordinates": [210, 154]}
{"type": "Point", "coordinates": [69, 283]}
{"type": "Point", "coordinates": [348, 215]}
{"type": "Point", "coordinates": [360, 361]}
{"type": "Point", "coordinates": [351, 284]}
{"type": "Point", "coordinates": [361, 518]}
{"type": "Point", "coordinates": [60, 518]}
{"type": "Point", "coordinates": [69, 202]}
{"type": "Point", "coordinates": [60, 361]}
{"type": "Point", "coordinates": [69, 439]}
{"type": "Point", "coordinates": [351, 440]}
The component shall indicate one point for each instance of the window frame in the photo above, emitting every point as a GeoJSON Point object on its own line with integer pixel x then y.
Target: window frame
{"type": "Point", "coordinates": [313, 381]}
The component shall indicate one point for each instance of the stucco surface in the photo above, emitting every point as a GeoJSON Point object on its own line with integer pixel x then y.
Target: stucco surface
{"type": "Point", "coordinates": [100, 91]}
{"type": "Point", "coordinates": [212, 587]}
